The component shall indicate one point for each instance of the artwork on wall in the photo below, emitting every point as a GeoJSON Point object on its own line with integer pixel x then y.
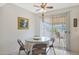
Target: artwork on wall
{"type": "Point", "coordinates": [23, 23]}
{"type": "Point", "coordinates": [75, 22]}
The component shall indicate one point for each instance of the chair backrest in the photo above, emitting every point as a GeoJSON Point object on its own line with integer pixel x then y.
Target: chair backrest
{"type": "Point", "coordinates": [52, 39]}
{"type": "Point", "coordinates": [20, 43]}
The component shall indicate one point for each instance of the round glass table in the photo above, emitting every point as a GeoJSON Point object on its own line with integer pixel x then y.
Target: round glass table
{"type": "Point", "coordinates": [36, 40]}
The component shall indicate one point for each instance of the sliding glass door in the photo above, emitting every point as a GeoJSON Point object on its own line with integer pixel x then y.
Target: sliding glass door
{"type": "Point", "coordinates": [61, 30]}
{"type": "Point", "coordinates": [58, 27]}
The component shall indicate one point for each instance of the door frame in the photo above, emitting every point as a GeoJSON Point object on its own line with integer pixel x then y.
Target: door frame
{"type": "Point", "coordinates": [68, 31]}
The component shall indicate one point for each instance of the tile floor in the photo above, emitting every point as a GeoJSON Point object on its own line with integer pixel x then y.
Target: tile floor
{"type": "Point", "coordinates": [58, 52]}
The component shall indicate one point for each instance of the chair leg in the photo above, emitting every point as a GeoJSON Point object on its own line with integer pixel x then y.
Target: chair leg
{"type": "Point", "coordinates": [28, 53]}
{"type": "Point", "coordinates": [54, 50]}
{"type": "Point", "coordinates": [19, 52]}
{"type": "Point", "coordinates": [45, 52]}
{"type": "Point", "coordinates": [48, 50]}
{"type": "Point", "coordinates": [25, 51]}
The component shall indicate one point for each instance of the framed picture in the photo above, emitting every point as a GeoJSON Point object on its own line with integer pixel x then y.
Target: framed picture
{"type": "Point", "coordinates": [75, 22]}
{"type": "Point", "coordinates": [23, 23]}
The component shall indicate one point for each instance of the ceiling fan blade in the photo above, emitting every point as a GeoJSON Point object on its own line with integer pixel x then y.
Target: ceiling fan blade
{"type": "Point", "coordinates": [45, 4]}
{"type": "Point", "coordinates": [36, 6]}
{"type": "Point", "coordinates": [37, 9]}
{"type": "Point", "coordinates": [50, 7]}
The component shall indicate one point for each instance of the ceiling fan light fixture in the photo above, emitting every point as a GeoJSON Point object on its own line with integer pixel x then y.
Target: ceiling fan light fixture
{"type": "Point", "coordinates": [42, 10]}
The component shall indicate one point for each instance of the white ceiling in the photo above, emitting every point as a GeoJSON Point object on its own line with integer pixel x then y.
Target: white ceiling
{"type": "Point", "coordinates": [31, 8]}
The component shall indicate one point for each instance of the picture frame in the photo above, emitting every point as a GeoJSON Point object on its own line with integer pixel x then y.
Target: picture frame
{"type": "Point", "coordinates": [75, 22]}
{"type": "Point", "coordinates": [23, 23]}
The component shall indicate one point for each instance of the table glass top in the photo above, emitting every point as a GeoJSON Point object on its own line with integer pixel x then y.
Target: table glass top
{"type": "Point", "coordinates": [38, 39]}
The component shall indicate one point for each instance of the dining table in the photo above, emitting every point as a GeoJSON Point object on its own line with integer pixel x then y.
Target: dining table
{"type": "Point", "coordinates": [36, 40]}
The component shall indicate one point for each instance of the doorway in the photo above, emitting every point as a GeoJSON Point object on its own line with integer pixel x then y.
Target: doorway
{"type": "Point", "coordinates": [61, 30]}
{"type": "Point", "coordinates": [58, 27]}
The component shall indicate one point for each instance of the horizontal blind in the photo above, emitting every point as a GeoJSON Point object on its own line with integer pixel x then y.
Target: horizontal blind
{"type": "Point", "coordinates": [58, 20]}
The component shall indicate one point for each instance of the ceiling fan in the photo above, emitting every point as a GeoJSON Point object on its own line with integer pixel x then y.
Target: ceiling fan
{"type": "Point", "coordinates": [43, 6]}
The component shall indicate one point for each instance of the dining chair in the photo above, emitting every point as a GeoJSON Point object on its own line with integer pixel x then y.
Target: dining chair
{"type": "Point", "coordinates": [39, 49]}
{"type": "Point", "coordinates": [52, 46]}
{"type": "Point", "coordinates": [22, 47]}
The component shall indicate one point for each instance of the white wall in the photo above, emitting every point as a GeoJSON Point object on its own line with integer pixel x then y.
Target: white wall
{"type": "Point", "coordinates": [74, 31]}
{"type": "Point", "coordinates": [9, 32]}
{"type": "Point", "coordinates": [0, 27]}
